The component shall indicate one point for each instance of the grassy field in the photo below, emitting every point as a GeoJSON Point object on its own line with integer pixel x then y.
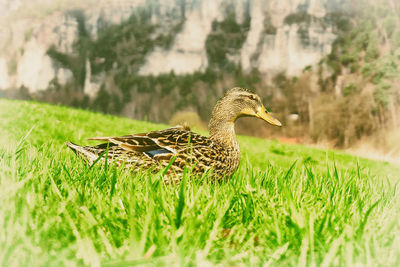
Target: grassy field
{"type": "Point", "coordinates": [287, 205]}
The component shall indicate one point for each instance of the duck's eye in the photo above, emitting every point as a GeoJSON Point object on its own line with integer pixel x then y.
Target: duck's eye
{"type": "Point", "coordinates": [252, 97]}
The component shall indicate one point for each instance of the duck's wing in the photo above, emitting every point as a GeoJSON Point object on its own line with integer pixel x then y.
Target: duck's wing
{"type": "Point", "coordinates": [158, 145]}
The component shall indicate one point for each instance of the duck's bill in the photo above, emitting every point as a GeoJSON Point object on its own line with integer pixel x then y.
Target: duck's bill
{"type": "Point", "coordinates": [264, 115]}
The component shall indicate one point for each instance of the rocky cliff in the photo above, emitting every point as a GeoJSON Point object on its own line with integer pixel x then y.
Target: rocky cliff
{"type": "Point", "coordinates": [277, 35]}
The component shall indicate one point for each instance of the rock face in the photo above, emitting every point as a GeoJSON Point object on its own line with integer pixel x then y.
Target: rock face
{"type": "Point", "coordinates": [188, 52]}
{"type": "Point", "coordinates": [284, 50]}
{"type": "Point", "coordinates": [272, 44]}
{"type": "Point", "coordinates": [4, 83]}
{"type": "Point", "coordinates": [34, 69]}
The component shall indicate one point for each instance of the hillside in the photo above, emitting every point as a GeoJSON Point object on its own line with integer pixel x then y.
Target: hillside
{"type": "Point", "coordinates": [287, 205]}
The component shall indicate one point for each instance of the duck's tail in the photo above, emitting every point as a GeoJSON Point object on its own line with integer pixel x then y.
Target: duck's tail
{"type": "Point", "coordinates": [89, 154]}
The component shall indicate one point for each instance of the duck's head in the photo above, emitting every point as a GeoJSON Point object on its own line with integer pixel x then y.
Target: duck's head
{"type": "Point", "coordinates": [239, 102]}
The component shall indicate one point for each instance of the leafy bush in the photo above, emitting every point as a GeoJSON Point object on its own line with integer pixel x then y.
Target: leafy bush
{"type": "Point", "coordinates": [372, 52]}
{"type": "Point", "coordinates": [390, 24]}
{"type": "Point", "coordinates": [368, 69]}
{"type": "Point", "coordinates": [297, 18]}
{"type": "Point", "coordinates": [349, 89]}
{"type": "Point", "coordinates": [381, 93]}
{"type": "Point", "coordinates": [347, 59]}
{"type": "Point", "coordinates": [395, 38]}
{"type": "Point", "coordinates": [226, 38]}
{"type": "Point", "coordinates": [343, 120]}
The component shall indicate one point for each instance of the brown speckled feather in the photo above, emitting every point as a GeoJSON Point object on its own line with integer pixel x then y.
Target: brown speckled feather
{"type": "Point", "coordinates": [180, 146]}
{"type": "Point", "coordinates": [156, 149]}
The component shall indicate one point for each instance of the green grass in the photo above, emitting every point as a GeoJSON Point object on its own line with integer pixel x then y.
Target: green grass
{"type": "Point", "coordinates": [287, 205]}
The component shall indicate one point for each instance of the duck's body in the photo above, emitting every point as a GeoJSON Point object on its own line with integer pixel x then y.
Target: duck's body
{"type": "Point", "coordinates": [178, 147]}
{"type": "Point", "coordinates": [156, 150]}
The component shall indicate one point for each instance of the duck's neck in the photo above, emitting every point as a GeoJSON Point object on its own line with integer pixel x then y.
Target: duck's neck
{"type": "Point", "coordinates": [222, 128]}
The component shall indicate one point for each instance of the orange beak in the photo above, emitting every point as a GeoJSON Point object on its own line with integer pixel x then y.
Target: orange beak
{"type": "Point", "coordinates": [264, 115]}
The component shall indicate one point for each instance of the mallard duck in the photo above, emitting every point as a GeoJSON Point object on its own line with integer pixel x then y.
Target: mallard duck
{"type": "Point", "coordinates": [178, 147]}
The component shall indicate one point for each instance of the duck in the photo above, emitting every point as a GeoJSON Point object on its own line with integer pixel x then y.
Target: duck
{"type": "Point", "coordinates": [173, 150]}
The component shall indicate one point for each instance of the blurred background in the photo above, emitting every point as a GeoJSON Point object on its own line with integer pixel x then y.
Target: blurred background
{"type": "Point", "coordinates": [328, 69]}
